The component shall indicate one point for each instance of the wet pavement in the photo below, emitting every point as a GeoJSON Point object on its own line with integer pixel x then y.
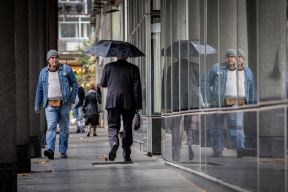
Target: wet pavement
{"type": "Point", "coordinates": [87, 170]}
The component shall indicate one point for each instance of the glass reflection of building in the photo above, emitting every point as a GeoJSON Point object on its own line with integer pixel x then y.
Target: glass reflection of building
{"type": "Point", "coordinates": [259, 28]}
{"type": "Point", "coordinates": [176, 115]}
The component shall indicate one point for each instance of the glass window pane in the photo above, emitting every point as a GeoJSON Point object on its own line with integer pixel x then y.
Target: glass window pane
{"type": "Point", "coordinates": [191, 55]}
{"type": "Point", "coordinates": [272, 150]}
{"type": "Point", "coordinates": [155, 4]}
{"type": "Point", "coordinates": [156, 67]}
{"type": "Point", "coordinates": [208, 20]}
{"type": "Point", "coordinates": [228, 79]}
{"type": "Point", "coordinates": [166, 51]}
{"type": "Point", "coordinates": [176, 138]}
{"type": "Point", "coordinates": [72, 19]}
{"type": "Point", "coordinates": [85, 30]}
{"type": "Point", "coordinates": [69, 30]}
{"type": "Point", "coordinates": [249, 139]}
{"type": "Point", "coordinates": [271, 55]}
{"type": "Point", "coordinates": [231, 144]}
{"type": "Point", "coordinates": [191, 140]}
{"type": "Point", "coordinates": [166, 139]}
{"type": "Point", "coordinates": [182, 47]}
{"type": "Point", "coordinates": [83, 19]}
{"type": "Point", "coordinates": [174, 69]}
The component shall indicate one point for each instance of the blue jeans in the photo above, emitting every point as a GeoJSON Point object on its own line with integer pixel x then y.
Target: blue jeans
{"type": "Point", "coordinates": [235, 128]}
{"type": "Point", "coordinates": [75, 113]}
{"type": "Point", "coordinates": [56, 115]}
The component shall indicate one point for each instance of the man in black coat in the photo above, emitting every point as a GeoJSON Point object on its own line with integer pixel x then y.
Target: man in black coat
{"type": "Point", "coordinates": [124, 98]}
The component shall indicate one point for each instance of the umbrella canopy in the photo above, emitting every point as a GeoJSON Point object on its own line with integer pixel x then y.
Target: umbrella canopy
{"type": "Point", "coordinates": [194, 47]}
{"type": "Point", "coordinates": [112, 48]}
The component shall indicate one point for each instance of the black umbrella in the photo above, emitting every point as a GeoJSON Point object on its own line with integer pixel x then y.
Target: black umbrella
{"type": "Point", "coordinates": [194, 47]}
{"type": "Point", "coordinates": [112, 48]}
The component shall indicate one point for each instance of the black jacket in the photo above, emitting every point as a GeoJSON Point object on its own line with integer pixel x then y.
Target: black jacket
{"type": "Point", "coordinates": [124, 85]}
{"type": "Point", "coordinates": [189, 88]}
{"type": "Point", "coordinates": [90, 107]}
{"type": "Point", "coordinates": [81, 97]}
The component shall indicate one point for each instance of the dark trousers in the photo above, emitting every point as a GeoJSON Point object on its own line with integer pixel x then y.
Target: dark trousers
{"type": "Point", "coordinates": [114, 124]}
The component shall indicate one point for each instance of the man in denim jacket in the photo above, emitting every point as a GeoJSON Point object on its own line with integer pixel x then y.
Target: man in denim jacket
{"type": "Point", "coordinates": [229, 84]}
{"type": "Point", "coordinates": [54, 92]}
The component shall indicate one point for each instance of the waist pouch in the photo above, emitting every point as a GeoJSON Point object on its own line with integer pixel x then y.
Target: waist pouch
{"type": "Point", "coordinates": [55, 103]}
{"type": "Point", "coordinates": [234, 101]}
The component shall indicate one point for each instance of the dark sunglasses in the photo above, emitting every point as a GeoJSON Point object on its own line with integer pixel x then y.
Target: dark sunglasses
{"type": "Point", "coordinates": [54, 57]}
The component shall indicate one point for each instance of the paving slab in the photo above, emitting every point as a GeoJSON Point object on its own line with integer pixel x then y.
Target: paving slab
{"type": "Point", "coordinates": [86, 169]}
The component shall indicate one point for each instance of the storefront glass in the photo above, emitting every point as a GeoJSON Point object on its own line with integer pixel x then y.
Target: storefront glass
{"type": "Point", "coordinates": [155, 65]}
{"type": "Point", "coordinates": [224, 88]}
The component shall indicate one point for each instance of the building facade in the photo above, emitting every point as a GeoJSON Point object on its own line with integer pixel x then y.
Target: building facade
{"type": "Point", "coordinates": [188, 118]}
{"type": "Point", "coordinates": [182, 39]}
{"type": "Point", "coordinates": [74, 30]}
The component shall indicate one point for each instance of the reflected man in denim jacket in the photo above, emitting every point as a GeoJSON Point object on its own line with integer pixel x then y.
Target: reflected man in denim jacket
{"type": "Point", "coordinates": [229, 84]}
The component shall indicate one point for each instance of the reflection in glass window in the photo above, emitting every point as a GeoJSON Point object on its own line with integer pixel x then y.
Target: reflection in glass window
{"type": "Point", "coordinates": [173, 70]}
{"type": "Point", "coordinates": [155, 4]}
{"type": "Point", "coordinates": [241, 64]}
{"type": "Point", "coordinates": [166, 18]}
{"type": "Point", "coordinates": [192, 131]}
{"type": "Point", "coordinates": [156, 67]}
{"type": "Point", "coordinates": [271, 52]}
{"type": "Point", "coordinates": [230, 83]}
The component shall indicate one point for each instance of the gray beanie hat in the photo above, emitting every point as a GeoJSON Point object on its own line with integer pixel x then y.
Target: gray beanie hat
{"type": "Point", "coordinates": [240, 52]}
{"type": "Point", "coordinates": [231, 52]}
{"type": "Point", "coordinates": [51, 53]}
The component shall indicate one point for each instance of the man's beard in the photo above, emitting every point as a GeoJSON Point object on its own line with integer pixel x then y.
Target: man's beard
{"type": "Point", "coordinates": [240, 66]}
{"type": "Point", "coordinates": [231, 67]}
{"type": "Point", "coordinates": [51, 69]}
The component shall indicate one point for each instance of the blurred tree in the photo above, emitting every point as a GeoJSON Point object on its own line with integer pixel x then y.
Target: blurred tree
{"type": "Point", "coordinates": [87, 72]}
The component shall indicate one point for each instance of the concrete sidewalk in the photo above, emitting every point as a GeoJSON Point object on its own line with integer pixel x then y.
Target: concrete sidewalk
{"type": "Point", "coordinates": [87, 170]}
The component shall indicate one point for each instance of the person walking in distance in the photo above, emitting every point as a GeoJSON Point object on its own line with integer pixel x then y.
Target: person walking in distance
{"type": "Point", "coordinates": [124, 98]}
{"type": "Point", "coordinates": [56, 91]}
{"type": "Point", "coordinates": [78, 108]}
{"type": "Point", "coordinates": [90, 110]}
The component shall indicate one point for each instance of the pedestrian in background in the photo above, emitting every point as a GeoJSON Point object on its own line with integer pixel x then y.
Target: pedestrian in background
{"type": "Point", "coordinates": [90, 109]}
{"type": "Point", "coordinates": [79, 108]}
{"type": "Point", "coordinates": [124, 98]}
{"type": "Point", "coordinates": [54, 92]}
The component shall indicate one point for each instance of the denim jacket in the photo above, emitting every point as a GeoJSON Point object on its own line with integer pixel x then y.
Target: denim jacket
{"type": "Point", "coordinates": [215, 87]}
{"type": "Point", "coordinates": [67, 79]}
